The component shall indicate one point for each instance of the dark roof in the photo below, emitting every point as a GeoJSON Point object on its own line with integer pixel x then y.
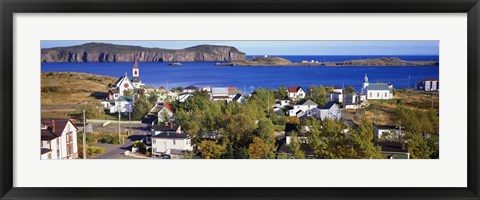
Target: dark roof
{"type": "Point", "coordinates": [328, 105]}
{"type": "Point", "coordinates": [386, 127]}
{"type": "Point", "coordinates": [114, 90]}
{"type": "Point", "coordinates": [393, 146]}
{"type": "Point", "coordinates": [165, 128]}
{"type": "Point", "coordinates": [171, 135]}
{"type": "Point", "coordinates": [307, 102]}
{"type": "Point", "coordinates": [290, 127]}
{"type": "Point", "coordinates": [150, 119]}
{"type": "Point", "coordinates": [120, 79]}
{"type": "Point", "coordinates": [237, 96]}
{"type": "Point", "coordinates": [54, 128]}
{"type": "Point", "coordinates": [45, 150]}
{"type": "Point", "coordinates": [191, 87]}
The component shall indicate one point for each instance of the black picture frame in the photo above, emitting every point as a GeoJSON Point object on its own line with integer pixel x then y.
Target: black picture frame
{"type": "Point", "coordinates": [10, 7]}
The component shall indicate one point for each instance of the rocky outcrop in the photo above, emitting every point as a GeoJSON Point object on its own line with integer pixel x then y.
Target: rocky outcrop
{"type": "Point", "coordinates": [277, 61]}
{"type": "Point", "coordinates": [101, 52]}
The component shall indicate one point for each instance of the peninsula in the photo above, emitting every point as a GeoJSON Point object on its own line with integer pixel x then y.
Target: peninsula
{"type": "Point", "coordinates": [278, 61]}
{"type": "Point", "coordinates": [103, 52]}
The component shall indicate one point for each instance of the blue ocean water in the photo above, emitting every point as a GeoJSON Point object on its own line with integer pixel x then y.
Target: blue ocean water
{"type": "Point", "coordinates": [251, 77]}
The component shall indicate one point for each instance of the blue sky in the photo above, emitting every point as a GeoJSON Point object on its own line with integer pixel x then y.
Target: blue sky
{"type": "Point", "coordinates": [359, 47]}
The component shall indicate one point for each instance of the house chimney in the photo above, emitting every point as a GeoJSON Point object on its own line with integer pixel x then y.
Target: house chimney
{"type": "Point", "coordinates": [53, 125]}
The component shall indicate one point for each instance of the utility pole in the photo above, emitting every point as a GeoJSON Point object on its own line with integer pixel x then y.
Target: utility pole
{"type": "Point", "coordinates": [129, 121]}
{"type": "Point", "coordinates": [119, 135]}
{"type": "Point", "coordinates": [84, 139]}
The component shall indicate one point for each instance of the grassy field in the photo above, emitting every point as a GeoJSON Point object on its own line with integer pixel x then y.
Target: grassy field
{"type": "Point", "coordinates": [382, 111]}
{"type": "Point", "coordinates": [63, 92]}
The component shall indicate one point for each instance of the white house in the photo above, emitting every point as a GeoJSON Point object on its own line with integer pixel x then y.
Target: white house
{"type": "Point", "coordinates": [296, 92]}
{"type": "Point", "coordinates": [335, 96]}
{"type": "Point", "coordinates": [377, 90]}
{"type": "Point", "coordinates": [168, 139]}
{"type": "Point", "coordinates": [58, 139]}
{"type": "Point", "coordinates": [429, 84]}
{"type": "Point", "coordinates": [220, 94]}
{"type": "Point", "coordinates": [281, 103]}
{"type": "Point", "coordinates": [296, 109]}
{"type": "Point", "coordinates": [381, 130]}
{"type": "Point", "coordinates": [290, 129]}
{"type": "Point", "coordinates": [330, 111]}
{"type": "Point", "coordinates": [122, 104]}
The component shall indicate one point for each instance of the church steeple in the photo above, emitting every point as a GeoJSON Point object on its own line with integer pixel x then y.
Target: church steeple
{"type": "Point", "coordinates": [365, 80]}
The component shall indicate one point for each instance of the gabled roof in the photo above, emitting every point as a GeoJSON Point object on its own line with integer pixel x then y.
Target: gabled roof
{"type": "Point", "coordinates": [54, 128]}
{"type": "Point", "coordinates": [329, 105]}
{"type": "Point", "coordinates": [125, 98]}
{"type": "Point", "coordinates": [307, 102]}
{"type": "Point", "coordinates": [167, 106]}
{"type": "Point", "coordinates": [121, 80]}
{"type": "Point", "coordinates": [378, 86]}
{"type": "Point", "coordinates": [294, 89]}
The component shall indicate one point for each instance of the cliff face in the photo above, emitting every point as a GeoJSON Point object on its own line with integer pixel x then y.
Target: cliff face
{"type": "Point", "coordinates": [100, 52]}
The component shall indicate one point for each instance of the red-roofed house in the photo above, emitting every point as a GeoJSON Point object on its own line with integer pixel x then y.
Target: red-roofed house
{"type": "Point", "coordinates": [296, 92]}
{"type": "Point", "coordinates": [166, 113]}
{"type": "Point", "coordinates": [58, 139]}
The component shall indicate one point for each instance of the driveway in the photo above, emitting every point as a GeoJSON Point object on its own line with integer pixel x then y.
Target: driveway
{"type": "Point", "coordinates": [115, 151]}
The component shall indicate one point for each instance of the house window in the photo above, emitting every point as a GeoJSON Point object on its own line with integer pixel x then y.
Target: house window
{"type": "Point", "coordinates": [58, 148]}
{"type": "Point", "coordinates": [154, 149]}
{"type": "Point", "coordinates": [385, 94]}
{"type": "Point", "coordinates": [370, 94]}
{"type": "Point", "coordinates": [153, 141]}
{"type": "Point", "coordinates": [174, 142]}
{"type": "Point", "coordinates": [378, 94]}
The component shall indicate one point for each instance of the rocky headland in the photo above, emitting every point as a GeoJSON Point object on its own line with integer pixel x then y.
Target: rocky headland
{"type": "Point", "coordinates": [102, 52]}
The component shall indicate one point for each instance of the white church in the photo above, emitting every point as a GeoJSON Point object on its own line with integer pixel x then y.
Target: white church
{"type": "Point", "coordinates": [376, 90]}
{"type": "Point", "coordinates": [124, 83]}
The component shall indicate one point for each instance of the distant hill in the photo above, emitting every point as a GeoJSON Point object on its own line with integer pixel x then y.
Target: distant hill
{"type": "Point", "coordinates": [103, 52]}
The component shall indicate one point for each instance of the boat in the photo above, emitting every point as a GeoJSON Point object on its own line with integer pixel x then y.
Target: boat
{"type": "Point", "coordinates": [175, 64]}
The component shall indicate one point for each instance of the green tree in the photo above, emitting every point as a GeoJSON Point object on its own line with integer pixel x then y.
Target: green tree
{"type": "Point", "coordinates": [417, 146]}
{"type": "Point", "coordinates": [259, 149]}
{"type": "Point", "coordinates": [329, 142]}
{"type": "Point", "coordinates": [349, 90]}
{"type": "Point", "coordinates": [92, 111]}
{"type": "Point", "coordinates": [141, 108]}
{"type": "Point", "coordinates": [152, 97]}
{"type": "Point", "coordinates": [318, 94]}
{"type": "Point", "coordinates": [210, 149]}
{"type": "Point", "coordinates": [361, 139]}
{"type": "Point", "coordinates": [295, 147]}
{"type": "Point", "coordinates": [128, 93]}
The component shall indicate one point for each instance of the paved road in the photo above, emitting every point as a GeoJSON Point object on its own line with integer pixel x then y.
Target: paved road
{"type": "Point", "coordinates": [115, 151]}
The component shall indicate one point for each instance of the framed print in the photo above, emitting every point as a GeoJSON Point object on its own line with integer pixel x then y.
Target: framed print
{"type": "Point", "coordinates": [246, 100]}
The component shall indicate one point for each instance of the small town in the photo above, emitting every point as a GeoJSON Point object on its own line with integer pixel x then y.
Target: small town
{"type": "Point", "coordinates": [136, 121]}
